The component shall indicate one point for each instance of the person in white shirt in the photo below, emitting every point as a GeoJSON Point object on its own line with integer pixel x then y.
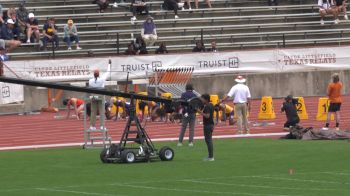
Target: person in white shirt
{"type": "Point", "coordinates": [241, 99]}
{"type": "Point", "coordinates": [328, 7]}
{"type": "Point", "coordinates": [98, 82]}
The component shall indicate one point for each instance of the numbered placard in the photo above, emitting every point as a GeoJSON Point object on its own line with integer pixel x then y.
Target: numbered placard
{"type": "Point", "coordinates": [266, 109]}
{"type": "Point", "coordinates": [322, 109]}
{"type": "Point", "coordinates": [301, 109]}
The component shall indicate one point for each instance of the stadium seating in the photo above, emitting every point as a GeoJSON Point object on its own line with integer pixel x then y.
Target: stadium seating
{"type": "Point", "coordinates": [232, 24]}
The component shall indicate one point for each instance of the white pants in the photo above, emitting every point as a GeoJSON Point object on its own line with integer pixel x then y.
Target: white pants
{"type": "Point", "coordinates": [150, 39]}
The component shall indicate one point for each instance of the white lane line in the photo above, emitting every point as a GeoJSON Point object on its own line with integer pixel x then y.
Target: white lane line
{"type": "Point", "coordinates": [337, 173]}
{"type": "Point", "coordinates": [179, 180]}
{"type": "Point", "coordinates": [300, 180]}
{"type": "Point", "coordinates": [157, 139]}
{"type": "Point", "coordinates": [197, 191]}
{"type": "Point", "coordinates": [74, 192]}
{"type": "Point", "coordinates": [259, 186]}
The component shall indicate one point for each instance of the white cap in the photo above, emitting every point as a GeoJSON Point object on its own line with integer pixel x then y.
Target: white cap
{"type": "Point", "coordinates": [30, 15]}
{"type": "Point", "coordinates": [240, 79]}
{"type": "Point", "coordinates": [10, 21]}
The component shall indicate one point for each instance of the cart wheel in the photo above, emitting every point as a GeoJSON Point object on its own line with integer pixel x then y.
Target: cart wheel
{"type": "Point", "coordinates": [128, 156]}
{"type": "Point", "coordinates": [166, 153]}
{"type": "Point", "coordinates": [104, 155]}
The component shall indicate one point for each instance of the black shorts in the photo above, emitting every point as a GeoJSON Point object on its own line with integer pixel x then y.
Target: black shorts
{"type": "Point", "coordinates": [334, 107]}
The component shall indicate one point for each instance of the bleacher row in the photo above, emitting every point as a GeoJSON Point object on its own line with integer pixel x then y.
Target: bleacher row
{"type": "Point", "coordinates": [233, 24]}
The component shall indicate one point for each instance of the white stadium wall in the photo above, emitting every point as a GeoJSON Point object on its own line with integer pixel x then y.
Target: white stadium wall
{"type": "Point", "coordinates": [274, 72]}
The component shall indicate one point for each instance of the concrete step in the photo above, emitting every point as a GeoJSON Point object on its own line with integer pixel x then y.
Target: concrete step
{"type": "Point", "coordinates": [16, 108]}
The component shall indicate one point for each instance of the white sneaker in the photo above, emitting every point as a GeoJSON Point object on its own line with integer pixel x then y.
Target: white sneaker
{"type": "Point", "coordinates": [336, 21]}
{"type": "Point", "coordinates": [92, 128]}
{"type": "Point", "coordinates": [179, 144]}
{"type": "Point", "coordinates": [115, 4]}
{"type": "Point", "coordinates": [325, 128]}
{"type": "Point", "coordinates": [209, 159]}
{"type": "Point", "coordinates": [190, 144]}
{"type": "Point", "coordinates": [346, 17]}
{"type": "Point", "coordinates": [322, 22]}
{"type": "Point", "coordinates": [176, 16]}
{"type": "Point", "coordinates": [28, 41]}
{"type": "Point", "coordinates": [69, 48]}
{"type": "Point", "coordinates": [103, 128]}
{"type": "Point", "coordinates": [190, 8]}
{"type": "Point", "coordinates": [133, 18]}
{"type": "Point", "coordinates": [78, 48]}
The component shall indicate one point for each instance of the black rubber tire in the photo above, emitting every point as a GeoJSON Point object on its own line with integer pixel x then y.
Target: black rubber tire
{"type": "Point", "coordinates": [104, 155]}
{"type": "Point", "coordinates": [166, 154]}
{"type": "Point", "coordinates": [128, 156]}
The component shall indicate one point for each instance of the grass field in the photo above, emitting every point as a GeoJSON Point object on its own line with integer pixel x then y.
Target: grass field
{"type": "Point", "coordinates": [241, 167]}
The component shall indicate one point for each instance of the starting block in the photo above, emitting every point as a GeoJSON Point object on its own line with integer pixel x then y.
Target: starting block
{"type": "Point", "coordinates": [322, 109]}
{"type": "Point", "coordinates": [266, 109]}
{"type": "Point", "coordinates": [301, 109]}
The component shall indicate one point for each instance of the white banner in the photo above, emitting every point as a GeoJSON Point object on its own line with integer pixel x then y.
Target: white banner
{"type": "Point", "coordinates": [10, 93]}
{"type": "Point", "coordinates": [274, 60]}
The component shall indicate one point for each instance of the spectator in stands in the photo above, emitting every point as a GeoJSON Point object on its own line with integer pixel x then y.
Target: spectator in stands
{"type": "Point", "coordinates": [326, 7]}
{"type": "Point", "coordinates": [103, 4]}
{"type": "Point", "coordinates": [71, 34]}
{"type": "Point", "coordinates": [32, 28]}
{"type": "Point", "coordinates": [199, 47]}
{"type": "Point", "coordinates": [2, 52]}
{"type": "Point", "coordinates": [1, 15]}
{"type": "Point", "coordinates": [7, 30]}
{"type": "Point", "coordinates": [140, 46]}
{"type": "Point", "coordinates": [50, 34]}
{"type": "Point", "coordinates": [115, 4]}
{"type": "Point", "coordinates": [16, 29]}
{"type": "Point", "coordinates": [22, 16]}
{"type": "Point", "coordinates": [149, 32]}
{"type": "Point", "coordinates": [77, 104]}
{"type": "Point", "coordinates": [274, 2]}
{"type": "Point", "coordinates": [130, 50]}
{"type": "Point", "coordinates": [9, 44]}
{"type": "Point", "coordinates": [171, 5]}
{"type": "Point", "coordinates": [10, 12]}
{"type": "Point", "coordinates": [341, 7]}
{"type": "Point", "coordinates": [213, 47]}
{"type": "Point", "coordinates": [162, 49]}
{"type": "Point", "coordinates": [138, 6]}
{"type": "Point", "coordinates": [207, 1]}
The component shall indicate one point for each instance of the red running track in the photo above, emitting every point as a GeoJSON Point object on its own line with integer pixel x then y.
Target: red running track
{"type": "Point", "coordinates": [44, 129]}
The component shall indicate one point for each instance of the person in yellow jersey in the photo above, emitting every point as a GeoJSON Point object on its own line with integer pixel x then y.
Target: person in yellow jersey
{"type": "Point", "coordinates": [50, 33]}
{"type": "Point", "coordinates": [227, 113]}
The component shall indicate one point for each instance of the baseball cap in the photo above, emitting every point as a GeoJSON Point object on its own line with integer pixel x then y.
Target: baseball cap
{"type": "Point", "coordinates": [10, 21]}
{"type": "Point", "coordinates": [30, 15]}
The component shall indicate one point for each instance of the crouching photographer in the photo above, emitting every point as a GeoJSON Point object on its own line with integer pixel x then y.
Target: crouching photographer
{"type": "Point", "coordinates": [290, 108]}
